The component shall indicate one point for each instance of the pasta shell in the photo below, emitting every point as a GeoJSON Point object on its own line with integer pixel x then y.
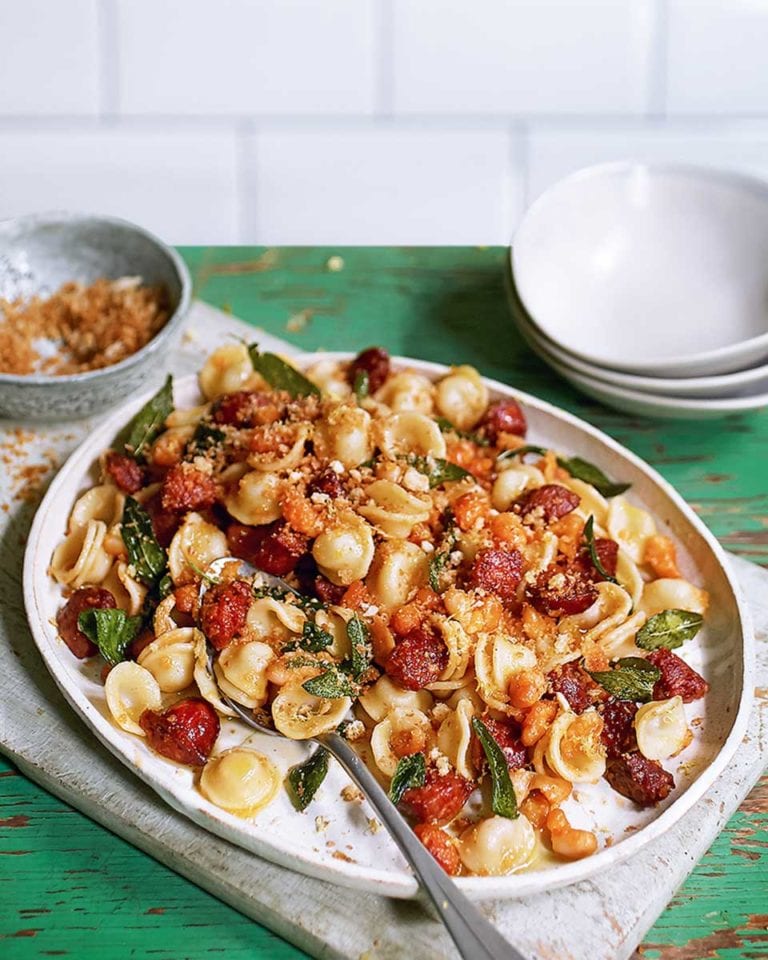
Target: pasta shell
{"type": "Point", "coordinates": [454, 738]}
{"type": "Point", "coordinates": [462, 397]}
{"type": "Point", "coordinates": [384, 697]}
{"type": "Point", "coordinates": [196, 543]}
{"type": "Point", "coordinates": [240, 781]}
{"type": "Point", "coordinates": [574, 749]}
{"type": "Point", "coordinates": [170, 658]}
{"type": "Point", "coordinates": [300, 715]}
{"type": "Point", "coordinates": [497, 846]}
{"type": "Point", "coordinates": [398, 722]}
{"type": "Point", "coordinates": [662, 729]}
{"type": "Point", "coordinates": [130, 690]}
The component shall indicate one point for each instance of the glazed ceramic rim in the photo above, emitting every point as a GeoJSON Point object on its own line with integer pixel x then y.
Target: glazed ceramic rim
{"type": "Point", "coordinates": [645, 384]}
{"type": "Point", "coordinates": [143, 353]}
{"type": "Point", "coordinates": [735, 178]}
{"type": "Point", "coordinates": [723, 405]}
{"type": "Point", "coordinates": [385, 882]}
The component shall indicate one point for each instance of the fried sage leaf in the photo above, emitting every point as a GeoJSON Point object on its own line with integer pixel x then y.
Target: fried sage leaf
{"type": "Point", "coordinates": [447, 427]}
{"type": "Point", "coordinates": [521, 452]}
{"type": "Point", "coordinates": [362, 385]}
{"type": "Point", "coordinates": [360, 642]}
{"type": "Point", "coordinates": [632, 678]}
{"type": "Point", "coordinates": [305, 779]}
{"type": "Point", "coordinates": [670, 629]}
{"type": "Point", "coordinates": [111, 630]}
{"type": "Point", "coordinates": [589, 473]}
{"type": "Point", "coordinates": [279, 374]}
{"type": "Point", "coordinates": [411, 772]}
{"type": "Point", "coordinates": [589, 538]}
{"type": "Point", "coordinates": [331, 685]}
{"type": "Point", "coordinates": [145, 554]}
{"type": "Point", "coordinates": [439, 558]}
{"type": "Point", "coordinates": [437, 470]}
{"type": "Point", "coordinates": [148, 423]}
{"type": "Point", "coordinates": [503, 799]}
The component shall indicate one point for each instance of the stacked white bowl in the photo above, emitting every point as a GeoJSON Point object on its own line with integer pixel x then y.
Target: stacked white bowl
{"type": "Point", "coordinates": [647, 287]}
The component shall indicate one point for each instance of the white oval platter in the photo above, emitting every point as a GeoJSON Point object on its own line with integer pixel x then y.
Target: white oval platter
{"type": "Point", "coordinates": [338, 840]}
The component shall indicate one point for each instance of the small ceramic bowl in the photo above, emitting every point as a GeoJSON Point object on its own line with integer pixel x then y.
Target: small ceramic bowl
{"type": "Point", "coordinates": [39, 253]}
{"type": "Point", "coordinates": [656, 271]}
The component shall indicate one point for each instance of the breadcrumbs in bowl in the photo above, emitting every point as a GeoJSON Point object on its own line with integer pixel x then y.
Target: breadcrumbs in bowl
{"type": "Point", "coordinates": [80, 327]}
{"type": "Point", "coordinates": [89, 308]}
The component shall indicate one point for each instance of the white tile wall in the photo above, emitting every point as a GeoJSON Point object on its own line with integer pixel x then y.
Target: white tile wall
{"type": "Point", "coordinates": [246, 56]}
{"type": "Point", "coordinates": [389, 121]}
{"type": "Point", "coordinates": [367, 186]}
{"type": "Point", "coordinates": [717, 57]}
{"type": "Point", "coordinates": [521, 56]}
{"type": "Point", "coordinates": [181, 185]}
{"type": "Point", "coordinates": [49, 60]}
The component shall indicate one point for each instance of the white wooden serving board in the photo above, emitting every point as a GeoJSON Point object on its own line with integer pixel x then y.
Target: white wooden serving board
{"type": "Point", "coordinates": [592, 920]}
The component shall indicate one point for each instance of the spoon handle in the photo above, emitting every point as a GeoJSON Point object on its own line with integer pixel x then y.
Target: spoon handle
{"type": "Point", "coordinates": [475, 937]}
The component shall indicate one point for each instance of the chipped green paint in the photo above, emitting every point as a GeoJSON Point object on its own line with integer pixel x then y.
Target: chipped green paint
{"type": "Point", "coordinates": [69, 888]}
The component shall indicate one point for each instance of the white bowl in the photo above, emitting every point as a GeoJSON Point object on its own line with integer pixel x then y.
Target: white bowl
{"type": "Point", "coordinates": [653, 270]}
{"type": "Point", "coordinates": [653, 404]}
{"type": "Point", "coordinates": [743, 383]}
{"type": "Point", "coordinates": [722, 652]}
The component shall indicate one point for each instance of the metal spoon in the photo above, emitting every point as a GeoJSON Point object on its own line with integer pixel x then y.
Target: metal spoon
{"type": "Point", "coordinates": [475, 937]}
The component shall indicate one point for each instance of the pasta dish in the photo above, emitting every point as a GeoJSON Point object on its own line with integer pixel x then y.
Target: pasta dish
{"type": "Point", "coordinates": [489, 621]}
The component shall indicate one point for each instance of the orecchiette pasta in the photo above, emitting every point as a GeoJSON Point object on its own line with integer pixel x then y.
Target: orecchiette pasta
{"type": "Point", "coordinates": [408, 564]}
{"type": "Point", "coordinates": [412, 726]}
{"type": "Point", "coordinates": [301, 716]}
{"type": "Point", "coordinates": [512, 482]}
{"type": "Point", "coordinates": [226, 370]}
{"type": "Point", "coordinates": [244, 667]}
{"type": "Point", "coordinates": [410, 433]}
{"type": "Point", "coordinates": [344, 550]}
{"type": "Point", "coordinates": [406, 392]}
{"type": "Point", "coordinates": [171, 659]}
{"type": "Point", "coordinates": [130, 690]}
{"type": "Point", "coordinates": [288, 451]}
{"type": "Point", "coordinates": [81, 558]}
{"type": "Point", "coordinates": [385, 696]}
{"type": "Point", "coordinates": [454, 738]}
{"type": "Point", "coordinates": [392, 510]}
{"type": "Point", "coordinates": [398, 569]}
{"type": "Point", "coordinates": [256, 498]}
{"type": "Point", "coordinates": [498, 846]}
{"type": "Point", "coordinates": [462, 397]}
{"type": "Point", "coordinates": [344, 434]}
{"type": "Point", "coordinates": [328, 375]}
{"type": "Point", "coordinates": [573, 748]}
{"type": "Point", "coordinates": [104, 503]}
{"type": "Point", "coordinates": [194, 547]}
{"type": "Point", "coordinates": [129, 592]}
{"type": "Point", "coordinates": [661, 728]}
{"type": "Point", "coordinates": [497, 660]}
{"type": "Point", "coordinates": [273, 620]}
{"type": "Point", "coordinates": [240, 781]}
{"type": "Point", "coordinates": [630, 527]}
{"type": "Point", "coordinates": [672, 594]}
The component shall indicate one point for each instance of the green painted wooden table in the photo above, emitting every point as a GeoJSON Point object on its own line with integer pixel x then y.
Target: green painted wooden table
{"type": "Point", "coordinates": [69, 888]}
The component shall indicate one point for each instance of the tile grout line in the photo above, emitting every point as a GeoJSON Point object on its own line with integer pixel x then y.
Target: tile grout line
{"type": "Point", "coordinates": [108, 59]}
{"type": "Point", "coordinates": [657, 64]}
{"type": "Point", "coordinates": [383, 45]}
{"type": "Point", "coordinates": [246, 183]}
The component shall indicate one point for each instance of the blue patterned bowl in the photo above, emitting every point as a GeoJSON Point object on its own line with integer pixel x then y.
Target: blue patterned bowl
{"type": "Point", "coordinates": [40, 252]}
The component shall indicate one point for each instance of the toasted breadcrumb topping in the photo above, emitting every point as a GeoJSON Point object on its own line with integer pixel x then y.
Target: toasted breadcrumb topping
{"type": "Point", "coordinates": [80, 327]}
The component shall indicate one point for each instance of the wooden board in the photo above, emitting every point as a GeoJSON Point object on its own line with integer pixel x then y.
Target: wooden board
{"type": "Point", "coordinates": [596, 919]}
